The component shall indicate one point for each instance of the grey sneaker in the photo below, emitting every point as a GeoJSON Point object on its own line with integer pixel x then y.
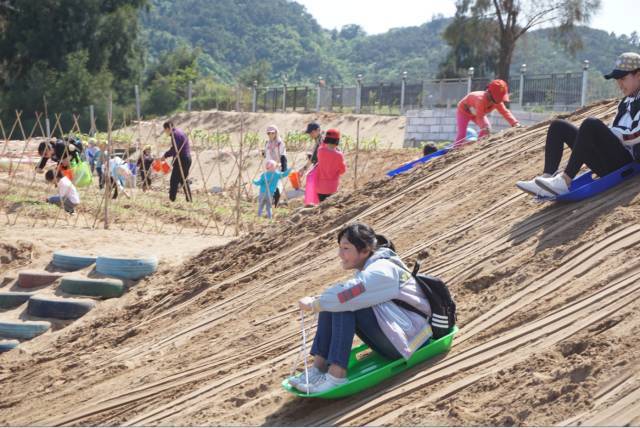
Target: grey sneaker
{"type": "Point", "coordinates": [300, 379]}
{"type": "Point", "coordinates": [531, 187]}
{"type": "Point", "coordinates": [325, 383]}
{"type": "Point", "coordinates": [555, 184]}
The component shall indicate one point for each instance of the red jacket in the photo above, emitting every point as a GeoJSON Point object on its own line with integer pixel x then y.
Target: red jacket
{"type": "Point", "coordinates": [329, 169]}
{"type": "Point", "coordinates": [476, 105]}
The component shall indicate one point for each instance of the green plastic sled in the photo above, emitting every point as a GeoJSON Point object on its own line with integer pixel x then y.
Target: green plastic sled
{"type": "Point", "coordinates": [373, 368]}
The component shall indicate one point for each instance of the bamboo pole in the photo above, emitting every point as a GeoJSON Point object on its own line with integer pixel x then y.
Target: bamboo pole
{"type": "Point", "coordinates": [355, 171]}
{"type": "Point", "coordinates": [239, 193]}
{"type": "Point", "coordinates": [107, 172]}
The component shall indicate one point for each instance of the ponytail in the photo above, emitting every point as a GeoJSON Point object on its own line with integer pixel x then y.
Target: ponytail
{"type": "Point", "coordinates": [363, 237]}
{"type": "Point", "coordinates": [383, 242]}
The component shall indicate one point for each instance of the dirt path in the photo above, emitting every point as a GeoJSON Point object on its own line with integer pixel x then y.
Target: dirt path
{"type": "Point", "coordinates": [548, 299]}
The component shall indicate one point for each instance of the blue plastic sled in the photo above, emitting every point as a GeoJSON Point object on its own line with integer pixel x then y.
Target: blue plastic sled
{"type": "Point", "coordinates": [585, 186]}
{"type": "Point", "coordinates": [407, 166]}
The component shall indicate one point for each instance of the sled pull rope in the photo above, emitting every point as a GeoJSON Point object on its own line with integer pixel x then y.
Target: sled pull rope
{"type": "Point", "coordinates": [304, 351]}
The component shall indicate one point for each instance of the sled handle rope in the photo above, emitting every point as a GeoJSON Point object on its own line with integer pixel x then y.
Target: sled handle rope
{"type": "Point", "coordinates": [303, 352]}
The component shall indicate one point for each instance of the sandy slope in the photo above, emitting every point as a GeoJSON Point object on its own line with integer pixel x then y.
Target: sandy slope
{"type": "Point", "coordinates": [548, 300]}
{"type": "Point", "coordinates": [389, 130]}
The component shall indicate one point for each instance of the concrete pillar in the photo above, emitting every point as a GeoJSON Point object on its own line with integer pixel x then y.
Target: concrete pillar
{"type": "Point", "coordinates": [358, 93]}
{"type": "Point", "coordinates": [585, 82]}
{"type": "Point", "coordinates": [284, 93]}
{"type": "Point", "coordinates": [318, 94]}
{"type": "Point", "coordinates": [137, 91]}
{"type": "Point", "coordinates": [402, 90]}
{"type": "Point", "coordinates": [92, 126]}
{"type": "Point", "coordinates": [254, 96]}
{"type": "Point", "coordinates": [523, 70]}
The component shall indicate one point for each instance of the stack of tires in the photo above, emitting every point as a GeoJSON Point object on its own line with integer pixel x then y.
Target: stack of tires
{"type": "Point", "coordinates": [63, 308]}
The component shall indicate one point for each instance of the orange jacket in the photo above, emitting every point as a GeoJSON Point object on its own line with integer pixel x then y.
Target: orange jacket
{"type": "Point", "coordinates": [477, 104]}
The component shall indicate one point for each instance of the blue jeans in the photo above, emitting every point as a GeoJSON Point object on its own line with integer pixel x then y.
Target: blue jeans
{"type": "Point", "coordinates": [264, 201]}
{"type": "Point", "coordinates": [68, 205]}
{"type": "Point", "coordinates": [334, 336]}
{"type": "Point", "coordinates": [100, 176]}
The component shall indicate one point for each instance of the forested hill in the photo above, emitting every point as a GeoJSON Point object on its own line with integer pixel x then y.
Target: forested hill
{"type": "Point", "coordinates": [269, 38]}
{"type": "Point", "coordinates": [240, 36]}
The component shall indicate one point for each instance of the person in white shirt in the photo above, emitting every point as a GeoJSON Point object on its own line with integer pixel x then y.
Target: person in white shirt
{"type": "Point", "coordinates": [68, 196]}
{"type": "Point", "coordinates": [275, 150]}
{"type": "Point", "coordinates": [602, 148]}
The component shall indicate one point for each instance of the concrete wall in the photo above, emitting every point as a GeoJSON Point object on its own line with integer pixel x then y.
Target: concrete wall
{"type": "Point", "coordinates": [440, 124]}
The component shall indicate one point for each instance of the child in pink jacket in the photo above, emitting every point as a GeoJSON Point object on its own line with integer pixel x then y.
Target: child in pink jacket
{"type": "Point", "coordinates": [477, 105]}
{"type": "Point", "coordinates": [330, 165]}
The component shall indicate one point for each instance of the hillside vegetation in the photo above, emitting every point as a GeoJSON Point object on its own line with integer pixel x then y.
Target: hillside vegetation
{"type": "Point", "coordinates": [274, 37]}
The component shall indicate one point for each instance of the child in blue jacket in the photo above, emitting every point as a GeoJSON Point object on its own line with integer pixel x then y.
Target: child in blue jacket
{"type": "Point", "coordinates": [268, 183]}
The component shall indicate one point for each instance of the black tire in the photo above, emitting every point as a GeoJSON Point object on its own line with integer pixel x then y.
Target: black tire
{"type": "Point", "coordinates": [8, 345]}
{"type": "Point", "coordinates": [32, 278]}
{"type": "Point", "coordinates": [10, 299]}
{"type": "Point", "coordinates": [68, 261]}
{"type": "Point", "coordinates": [23, 330]}
{"type": "Point", "coordinates": [106, 288]}
{"type": "Point", "coordinates": [63, 309]}
{"type": "Point", "coordinates": [126, 268]}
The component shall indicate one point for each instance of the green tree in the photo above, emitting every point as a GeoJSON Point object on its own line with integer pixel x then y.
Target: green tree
{"type": "Point", "coordinates": [351, 31]}
{"type": "Point", "coordinates": [473, 45]}
{"type": "Point", "coordinates": [71, 51]}
{"type": "Point", "coordinates": [515, 17]}
{"type": "Point", "coordinates": [259, 72]}
{"type": "Point", "coordinates": [168, 80]}
{"type": "Point", "coordinates": [48, 30]}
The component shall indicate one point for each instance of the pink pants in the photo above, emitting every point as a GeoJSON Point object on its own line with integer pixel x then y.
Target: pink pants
{"type": "Point", "coordinates": [463, 122]}
{"type": "Point", "coordinates": [310, 195]}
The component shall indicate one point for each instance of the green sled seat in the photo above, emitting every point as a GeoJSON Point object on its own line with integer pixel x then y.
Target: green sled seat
{"type": "Point", "coordinates": [374, 368]}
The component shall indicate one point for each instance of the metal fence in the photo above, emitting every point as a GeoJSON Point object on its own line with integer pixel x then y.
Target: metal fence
{"type": "Point", "coordinates": [562, 91]}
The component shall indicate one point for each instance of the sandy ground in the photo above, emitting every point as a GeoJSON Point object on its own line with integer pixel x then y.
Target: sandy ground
{"type": "Point", "coordinates": [389, 130]}
{"type": "Point", "coordinates": [214, 171]}
{"type": "Point", "coordinates": [547, 297]}
{"type": "Point", "coordinates": [113, 242]}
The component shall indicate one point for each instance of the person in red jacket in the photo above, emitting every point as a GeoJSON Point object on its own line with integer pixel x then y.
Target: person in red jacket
{"type": "Point", "coordinates": [330, 165]}
{"type": "Point", "coordinates": [477, 105]}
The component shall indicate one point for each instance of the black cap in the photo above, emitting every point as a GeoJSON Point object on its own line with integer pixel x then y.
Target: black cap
{"type": "Point", "coordinates": [628, 62]}
{"type": "Point", "coordinates": [616, 74]}
{"type": "Point", "coordinates": [312, 127]}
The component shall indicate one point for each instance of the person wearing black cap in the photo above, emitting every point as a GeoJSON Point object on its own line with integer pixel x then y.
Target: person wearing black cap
{"type": "Point", "coordinates": [58, 151]}
{"type": "Point", "coordinates": [314, 131]}
{"type": "Point", "coordinates": [602, 148]}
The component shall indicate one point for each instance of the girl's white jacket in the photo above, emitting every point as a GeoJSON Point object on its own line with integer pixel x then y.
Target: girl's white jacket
{"type": "Point", "coordinates": [383, 279]}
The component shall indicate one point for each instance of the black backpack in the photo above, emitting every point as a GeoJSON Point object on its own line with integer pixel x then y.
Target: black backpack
{"type": "Point", "coordinates": [443, 308]}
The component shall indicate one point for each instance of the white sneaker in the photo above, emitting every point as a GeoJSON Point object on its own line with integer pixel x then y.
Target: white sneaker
{"type": "Point", "coordinates": [531, 187]}
{"type": "Point", "coordinates": [555, 184]}
{"type": "Point", "coordinates": [313, 375]}
{"type": "Point", "coordinates": [323, 384]}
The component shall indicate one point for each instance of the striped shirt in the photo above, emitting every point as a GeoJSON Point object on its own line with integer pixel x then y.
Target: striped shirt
{"type": "Point", "coordinates": [626, 125]}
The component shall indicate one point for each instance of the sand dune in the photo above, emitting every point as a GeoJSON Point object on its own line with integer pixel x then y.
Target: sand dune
{"type": "Point", "coordinates": [547, 294]}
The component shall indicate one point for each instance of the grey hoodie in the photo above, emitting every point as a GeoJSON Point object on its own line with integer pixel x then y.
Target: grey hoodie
{"type": "Point", "coordinates": [383, 278]}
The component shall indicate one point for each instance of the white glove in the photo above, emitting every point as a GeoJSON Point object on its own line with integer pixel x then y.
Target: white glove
{"type": "Point", "coordinates": [306, 303]}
